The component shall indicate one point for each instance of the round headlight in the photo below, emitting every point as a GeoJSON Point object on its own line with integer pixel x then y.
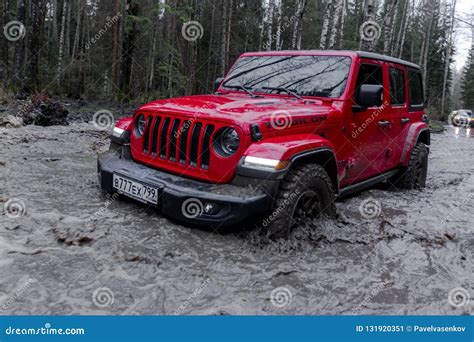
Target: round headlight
{"type": "Point", "coordinates": [227, 142]}
{"type": "Point", "coordinates": [139, 125]}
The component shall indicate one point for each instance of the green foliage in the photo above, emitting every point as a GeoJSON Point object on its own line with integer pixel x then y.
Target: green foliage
{"type": "Point", "coordinates": [164, 64]}
{"type": "Point", "coordinates": [467, 88]}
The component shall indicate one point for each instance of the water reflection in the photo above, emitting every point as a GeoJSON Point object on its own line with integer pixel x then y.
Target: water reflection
{"type": "Point", "coordinates": [461, 132]}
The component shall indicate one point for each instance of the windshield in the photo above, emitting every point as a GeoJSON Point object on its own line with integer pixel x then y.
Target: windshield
{"type": "Point", "coordinates": [323, 76]}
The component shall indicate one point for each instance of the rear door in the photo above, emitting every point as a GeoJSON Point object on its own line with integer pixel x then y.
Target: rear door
{"type": "Point", "coordinates": [397, 114]}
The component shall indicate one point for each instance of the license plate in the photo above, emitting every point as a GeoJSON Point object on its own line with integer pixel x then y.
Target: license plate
{"type": "Point", "coordinates": [136, 190]}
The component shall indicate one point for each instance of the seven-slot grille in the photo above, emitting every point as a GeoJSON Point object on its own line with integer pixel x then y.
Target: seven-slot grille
{"type": "Point", "coordinates": [187, 142]}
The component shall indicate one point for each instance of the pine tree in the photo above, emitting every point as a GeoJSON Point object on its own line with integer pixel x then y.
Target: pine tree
{"type": "Point", "coordinates": [467, 88]}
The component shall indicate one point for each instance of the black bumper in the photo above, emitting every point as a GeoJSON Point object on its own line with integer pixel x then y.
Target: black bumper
{"type": "Point", "coordinates": [231, 204]}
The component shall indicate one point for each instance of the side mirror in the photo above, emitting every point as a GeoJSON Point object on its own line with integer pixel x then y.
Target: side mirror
{"type": "Point", "coordinates": [217, 83]}
{"type": "Point", "coordinates": [369, 95]}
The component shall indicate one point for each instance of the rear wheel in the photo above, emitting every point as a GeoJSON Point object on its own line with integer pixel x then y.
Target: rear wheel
{"type": "Point", "coordinates": [414, 176]}
{"type": "Point", "coordinates": [305, 193]}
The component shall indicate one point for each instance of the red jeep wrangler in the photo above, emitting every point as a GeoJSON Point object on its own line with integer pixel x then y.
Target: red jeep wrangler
{"type": "Point", "coordinates": [283, 135]}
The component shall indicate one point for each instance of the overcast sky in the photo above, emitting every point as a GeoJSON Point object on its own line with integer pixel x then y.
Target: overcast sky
{"type": "Point", "coordinates": [464, 10]}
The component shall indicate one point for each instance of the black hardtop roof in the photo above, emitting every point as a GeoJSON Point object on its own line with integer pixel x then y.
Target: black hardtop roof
{"type": "Point", "coordinates": [348, 53]}
{"type": "Point", "coordinates": [372, 55]}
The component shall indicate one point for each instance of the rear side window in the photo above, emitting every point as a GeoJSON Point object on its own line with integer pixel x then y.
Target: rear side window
{"type": "Point", "coordinates": [415, 86]}
{"type": "Point", "coordinates": [397, 86]}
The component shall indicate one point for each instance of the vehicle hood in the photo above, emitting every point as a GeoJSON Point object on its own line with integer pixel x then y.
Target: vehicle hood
{"type": "Point", "coordinates": [238, 109]}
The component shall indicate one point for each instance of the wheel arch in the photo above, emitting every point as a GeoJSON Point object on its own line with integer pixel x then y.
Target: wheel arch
{"type": "Point", "coordinates": [419, 132]}
{"type": "Point", "coordinates": [322, 156]}
{"type": "Point", "coordinates": [424, 137]}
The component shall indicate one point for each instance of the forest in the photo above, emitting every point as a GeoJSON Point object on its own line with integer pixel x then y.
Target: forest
{"type": "Point", "coordinates": [139, 50]}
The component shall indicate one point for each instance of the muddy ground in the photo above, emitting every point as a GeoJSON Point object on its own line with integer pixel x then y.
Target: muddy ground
{"type": "Point", "coordinates": [75, 251]}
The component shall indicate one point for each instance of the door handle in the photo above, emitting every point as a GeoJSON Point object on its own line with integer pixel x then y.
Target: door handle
{"type": "Point", "coordinates": [383, 123]}
{"type": "Point", "coordinates": [405, 120]}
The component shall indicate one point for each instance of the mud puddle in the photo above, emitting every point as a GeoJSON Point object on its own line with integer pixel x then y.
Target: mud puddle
{"type": "Point", "coordinates": [73, 250]}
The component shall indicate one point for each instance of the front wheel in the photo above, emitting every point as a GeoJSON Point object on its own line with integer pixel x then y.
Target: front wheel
{"type": "Point", "coordinates": [414, 176]}
{"type": "Point", "coordinates": [305, 193]}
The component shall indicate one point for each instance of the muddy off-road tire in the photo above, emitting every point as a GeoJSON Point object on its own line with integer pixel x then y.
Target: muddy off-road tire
{"type": "Point", "coordinates": [306, 192]}
{"type": "Point", "coordinates": [414, 176]}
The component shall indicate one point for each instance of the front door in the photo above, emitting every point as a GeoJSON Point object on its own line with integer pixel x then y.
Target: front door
{"type": "Point", "coordinates": [370, 128]}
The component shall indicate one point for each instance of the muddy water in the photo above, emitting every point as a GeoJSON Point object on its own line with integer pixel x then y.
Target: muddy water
{"type": "Point", "coordinates": [75, 251]}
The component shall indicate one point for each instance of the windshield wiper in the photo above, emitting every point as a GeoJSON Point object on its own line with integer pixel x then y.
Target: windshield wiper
{"type": "Point", "coordinates": [286, 90]}
{"type": "Point", "coordinates": [247, 90]}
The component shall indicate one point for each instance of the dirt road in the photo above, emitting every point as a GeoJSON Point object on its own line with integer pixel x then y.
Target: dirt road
{"type": "Point", "coordinates": [72, 250]}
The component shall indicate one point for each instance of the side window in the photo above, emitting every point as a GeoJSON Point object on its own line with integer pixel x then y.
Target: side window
{"type": "Point", "coordinates": [397, 86]}
{"type": "Point", "coordinates": [415, 86]}
{"type": "Point", "coordinates": [369, 74]}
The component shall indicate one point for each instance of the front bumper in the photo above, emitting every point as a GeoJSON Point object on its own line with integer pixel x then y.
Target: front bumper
{"type": "Point", "coordinates": [232, 204]}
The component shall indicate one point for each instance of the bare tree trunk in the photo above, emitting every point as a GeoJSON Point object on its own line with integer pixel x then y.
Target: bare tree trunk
{"type": "Point", "coordinates": [296, 36]}
{"type": "Point", "coordinates": [449, 49]}
{"type": "Point", "coordinates": [229, 22]}
{"type": "Point", "coordinates": [152, 54]}
{"type": "Point", "coordinates": [335, 23]}
{"type": "Point", "coordinates": [19, 58]}
{"type": "Point", "coordinates": [388, 22]}
{"type": "Point", "coordinates": [406, 18]}
{"type": "Point", "coordinates": [4, 55]}
{"type": "Point", "coordinates": [211, 47]}
{"type": "Point", "coordinates": [223, 37]}
{"type": "Point", "coordinates": [325, 29]}
{"type": "Point", "coordinates": [393, 24]}
{"type": "Point", "coordinates": [77, 34]}
{"type": "Point", "coordinates": [115, 46]}
{"type": "Point", "coordinates": [36, 13]}
{"type": "Point", "coordinates": [54, 9]}
{"type": "Point", "coordinates": [67, 37]}
{"type": "Point", "coordinates": [423, 32]}
{"type": "Point", "coordinates": [370, 12]}
{"type": "Point", "coordinates": [427, 44]}
{"type": "Point", "coordinates": [271, 7]}
{"type": "Point", "coordinates": [61, 45]}
{"type": "Point", "coordinates": [128, 49]}
{"type": "Point", "coordinates": [343, 18]}
{"type": "Point", "coordinates": [278, 25]}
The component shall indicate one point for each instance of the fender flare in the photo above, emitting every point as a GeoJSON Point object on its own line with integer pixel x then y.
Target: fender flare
{"type": "Point", "coordinates": [416, 132]}
{"type": "Point", "coordinates": [293, 149]}
{"type": "Point", "coordinates": [323, 156]}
